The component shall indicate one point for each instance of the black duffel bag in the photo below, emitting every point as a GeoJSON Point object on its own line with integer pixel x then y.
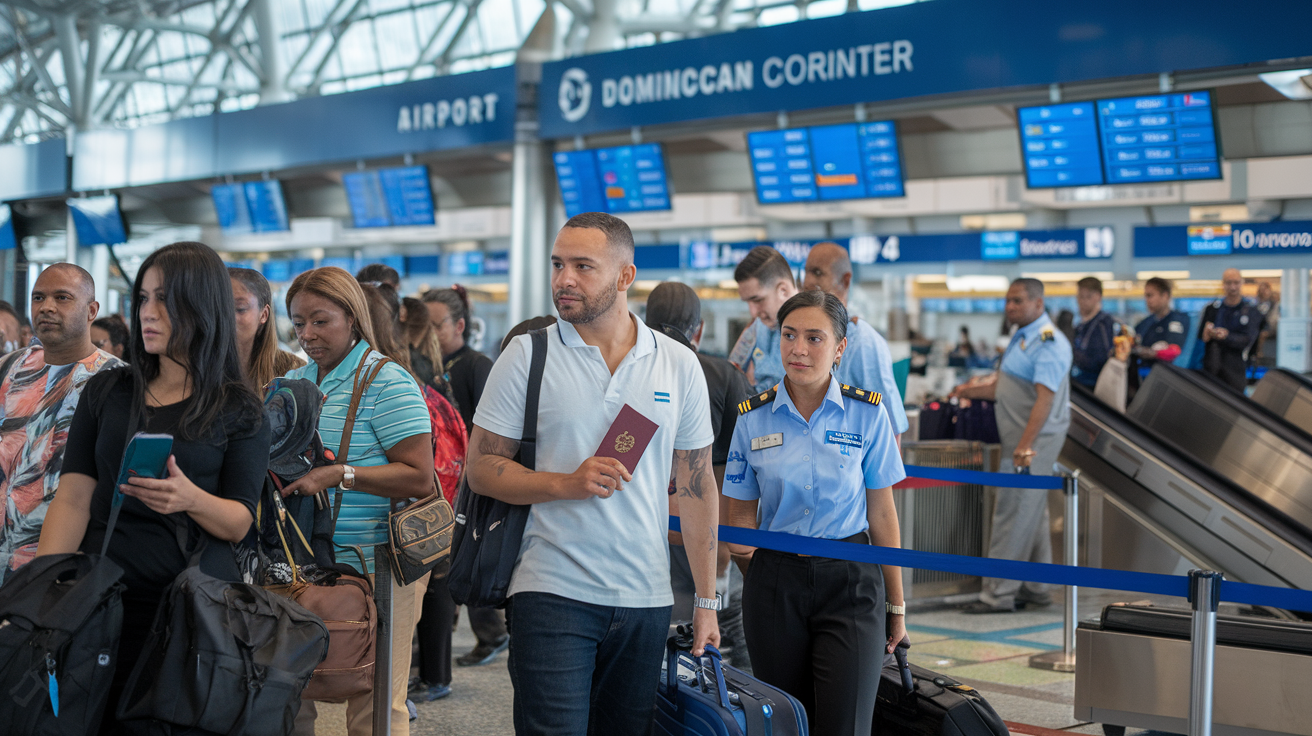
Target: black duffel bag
{"type": "Point", "coordinates": [489, 532]}
{"type": "Point", "coordinates": [224, 657]}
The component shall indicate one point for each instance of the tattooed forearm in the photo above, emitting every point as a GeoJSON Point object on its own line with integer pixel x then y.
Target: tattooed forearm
{"type": "Point", "coordinates": [494, 444]}
{"type": "Point", "coordinates": [692, 468]}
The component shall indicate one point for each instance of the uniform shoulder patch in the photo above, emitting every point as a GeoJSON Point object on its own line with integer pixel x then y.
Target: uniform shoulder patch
{"type": "Point", "coordinates": [861, 394]}
{"type": "Point", "coordinates": [1047, 335]}
{"type": "Point", "coordinates": [757, 401]}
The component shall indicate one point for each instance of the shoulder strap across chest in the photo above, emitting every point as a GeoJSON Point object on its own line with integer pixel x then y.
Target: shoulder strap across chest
{"type": "Point", "coordinates": [757, 401]}
{"type": "Point", "coordinates": [861, 394]}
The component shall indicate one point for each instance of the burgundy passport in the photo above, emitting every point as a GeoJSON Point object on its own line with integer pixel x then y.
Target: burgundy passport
{"type": "Point", "coordinates": [628, 437]}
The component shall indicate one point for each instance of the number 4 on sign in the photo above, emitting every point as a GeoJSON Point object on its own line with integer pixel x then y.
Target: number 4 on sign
{"type": "Point", "coordinates": [891, 250]}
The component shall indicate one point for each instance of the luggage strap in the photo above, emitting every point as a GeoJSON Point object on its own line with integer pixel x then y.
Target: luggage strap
{"type": "Point", "coordinates": [528, 443]}
{"type": "Point", "coordinates": [360, 385]}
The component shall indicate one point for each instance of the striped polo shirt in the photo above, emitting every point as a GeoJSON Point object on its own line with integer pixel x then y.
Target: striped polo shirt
{"type": "Point", "coordinates": [391, 410]}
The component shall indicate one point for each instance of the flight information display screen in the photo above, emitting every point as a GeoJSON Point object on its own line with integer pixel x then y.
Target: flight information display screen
{"type": "Point", "coordinates": [620, 179]}
{"type": "Point", "coordinates": [1060, 145]}
{"type": "Point", "coordinates": [1126, 140]}
{"type": "Point", "coordinates": [1159, 138]}
{"type": "Point", "coordinates": [390, 197]}
{"type": "Point", "coordinates": [97, 220]}
{"type": "Point", "coordinates": [253, 206]}
{"type": "Point", "coordinates": [828, 162]}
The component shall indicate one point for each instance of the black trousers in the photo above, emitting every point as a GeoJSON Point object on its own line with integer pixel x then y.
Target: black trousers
{"type": "Point", "coordinates": [488, 624]}
{"type": "Point", "coordinates": [434, 633]}
{"type": "Point", "coordinates": [815, 629]}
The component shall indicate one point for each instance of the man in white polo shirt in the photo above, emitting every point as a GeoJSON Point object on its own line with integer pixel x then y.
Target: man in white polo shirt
{"type": "Point", "coordinates": [590, 596]}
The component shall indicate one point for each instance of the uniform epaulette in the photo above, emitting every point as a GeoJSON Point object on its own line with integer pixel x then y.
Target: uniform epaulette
{"type": "Point", "coordinates": [757, 401]}
{"type": "Point", "coordinates": [870, 397]}
{"type": "Point", "coordinates": [1047, 335]}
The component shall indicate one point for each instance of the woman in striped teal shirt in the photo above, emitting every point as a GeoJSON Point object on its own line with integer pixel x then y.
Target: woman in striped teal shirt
{"type": "Point", "coordinates": [390, 455]}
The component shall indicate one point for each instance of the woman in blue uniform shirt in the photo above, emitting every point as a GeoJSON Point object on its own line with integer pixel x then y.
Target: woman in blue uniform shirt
{"type": "Point", "coordinates": [815, 458]}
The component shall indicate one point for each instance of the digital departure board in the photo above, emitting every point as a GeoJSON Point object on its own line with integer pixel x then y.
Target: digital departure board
{"type": "Point", "coordinates": [8, 240]}
{"type": "Point", "coordinates": [829, 162]}
{"type": "Point", "coordinates": [253, 206]}
{"type": "Point", "coordinates": [1126, 140]}
{"type": "Point", "coordinates": [97, 220]}
{"type": "Point", "coordinates": [1060, 145]}
{"type": "Point", "coordinates": [621, 179]}
{"type": "Point", "coordinates": [390, 197]}
{"type": "Point", "coordinates": [1159, 138]}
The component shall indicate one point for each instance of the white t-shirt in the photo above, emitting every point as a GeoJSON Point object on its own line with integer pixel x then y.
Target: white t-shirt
{"type": "Point", "coordinates": [607, 551]}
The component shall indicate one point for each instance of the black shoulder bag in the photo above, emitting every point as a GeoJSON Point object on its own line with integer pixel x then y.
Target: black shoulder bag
{"type": "Point", "coordinates": [489, 532]}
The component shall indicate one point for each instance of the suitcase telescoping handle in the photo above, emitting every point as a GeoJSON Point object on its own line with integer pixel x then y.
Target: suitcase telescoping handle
{"type": "Point", "coordinates": [711, 661]}
{"type": "Point", "coordinates": [900, 654]}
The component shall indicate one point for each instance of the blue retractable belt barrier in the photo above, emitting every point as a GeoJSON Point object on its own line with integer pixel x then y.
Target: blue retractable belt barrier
{"type": "Point", "coordinates": [980, 478]}
{"type": "Point", "coordinates": [1085, 577]}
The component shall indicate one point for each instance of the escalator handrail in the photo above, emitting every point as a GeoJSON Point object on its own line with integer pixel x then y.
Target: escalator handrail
{"type": "Point", "coordinates": [1197, 472]}
{"type": "Point", "coordinates": [1281, 427]}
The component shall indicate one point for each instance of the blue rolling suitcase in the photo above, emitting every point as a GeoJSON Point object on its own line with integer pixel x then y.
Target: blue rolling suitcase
{"type": "Point", "coordinates": [705, 697]}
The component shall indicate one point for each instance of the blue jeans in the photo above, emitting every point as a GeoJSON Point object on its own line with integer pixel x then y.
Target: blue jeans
{"type": "Point", "coordinates": [580, 669]}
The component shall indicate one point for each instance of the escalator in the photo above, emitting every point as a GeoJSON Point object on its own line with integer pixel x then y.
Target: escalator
{"type": "Point", "coordinates": [1194, 475]}
{"type": "Point", "coordinates": [1287, 394]}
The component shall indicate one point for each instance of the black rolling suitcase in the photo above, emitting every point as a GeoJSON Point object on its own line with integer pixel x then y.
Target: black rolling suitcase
{"type": "Point", "coordinates": [916, 702]}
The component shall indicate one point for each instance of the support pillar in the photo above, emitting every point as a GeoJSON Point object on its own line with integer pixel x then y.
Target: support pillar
{"type": "Point", "coordinates": [266, 28]}
{"type": "Point", "coordinates": [1294, 335]}
{"type": "Point", "coordinates": [530, 293]}
{"type": "Point", "coordinates": [603, 27]}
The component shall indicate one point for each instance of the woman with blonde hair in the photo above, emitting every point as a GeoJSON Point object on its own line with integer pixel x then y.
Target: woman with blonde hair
{"type": "Point", "coordinates": [257, 332]}
{"type": "Point", "coordinates": [389, 455]}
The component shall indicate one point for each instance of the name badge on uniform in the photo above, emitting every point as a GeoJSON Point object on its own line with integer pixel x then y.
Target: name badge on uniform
{"type": "Point", "coordinates": [1175, 326]}
{"type": "Point", "coordinates": [843, 438]}
{"type": "Point", "coordinates": [769, 440]}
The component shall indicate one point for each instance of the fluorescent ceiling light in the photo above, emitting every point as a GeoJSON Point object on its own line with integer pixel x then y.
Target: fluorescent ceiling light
{"type": "Point", "coordinates": [1145, 275]}
{"type": "Point", "coordinates": [1295, 84]}
{"type": "Point", "coordinates": [1057, 276]}
{"type": "Point", "coordinates": [978, 283]}
{"type": "Point", "coordinates": [1261, 273]}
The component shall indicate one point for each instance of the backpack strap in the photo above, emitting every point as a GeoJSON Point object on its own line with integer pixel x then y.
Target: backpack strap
{"type": "Point", "coordinates": [528, 445]}
{"type": "Point", "coordinates": [360, 385]}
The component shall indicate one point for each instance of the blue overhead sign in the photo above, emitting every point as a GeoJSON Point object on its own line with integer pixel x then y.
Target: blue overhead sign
{"type": "Point", "coordinates": [1159, 138]}
{"type": "Point", "coordinates": [1248, 238]}
{"type": "Point", "coordinates": [828, 162]}
{"type": "Point", "coordinates": [452, 111]}
{"type": "Point", "coordinates": [621, 179]}
{"type": "Point", "coordinates": [940, 47]}
{"type": "Point", "coordinates": [35, 170]}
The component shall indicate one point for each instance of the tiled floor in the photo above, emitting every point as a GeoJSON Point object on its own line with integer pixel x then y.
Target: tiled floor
{"type": "Point", "coordinates": [989, 652]}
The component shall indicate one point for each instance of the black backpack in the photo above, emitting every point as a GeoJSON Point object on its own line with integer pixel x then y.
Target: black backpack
{"type": "Point", "coordinates": [60, 619]}
{"type": "Point", "coordinates": [488, 533]}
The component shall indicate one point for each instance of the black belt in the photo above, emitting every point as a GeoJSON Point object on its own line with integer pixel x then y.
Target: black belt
{"type": "Point", "coordinates": [862, 537]}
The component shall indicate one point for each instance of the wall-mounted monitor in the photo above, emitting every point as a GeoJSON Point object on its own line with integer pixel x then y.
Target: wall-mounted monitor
{"type": "Point", "coordinates": [253, 206]}
{"type": "Point", "coordinates": [621, 179]}
{"type": "Point", "coordinates": [8, 238]}
{"type": "Point", "coordinates": [98, 220]}
{"type": "Point", "coordinates": [828, 162]}
{"type": "Point", "coordinates": [1125, 140]}
{"type": "Point", "coordinates": [390, 197]}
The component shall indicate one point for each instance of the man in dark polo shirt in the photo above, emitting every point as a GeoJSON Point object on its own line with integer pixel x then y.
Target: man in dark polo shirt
{"type": "Point", "coordinates": [674, 309]}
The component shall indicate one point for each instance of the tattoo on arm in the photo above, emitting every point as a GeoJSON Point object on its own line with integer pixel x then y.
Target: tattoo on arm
{"type": "Point", "coordinates": [499, 450]}
{"type": "Point", "coordinates": [696, 467]}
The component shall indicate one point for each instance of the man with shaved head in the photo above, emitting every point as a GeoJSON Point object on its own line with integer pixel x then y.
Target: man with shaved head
{"type": "Point", "coordinates": [39, 390]}
{"type": "Point", "coordinates": [1229, 331]}
{"type": "Point", "coordinates": [867, 362]}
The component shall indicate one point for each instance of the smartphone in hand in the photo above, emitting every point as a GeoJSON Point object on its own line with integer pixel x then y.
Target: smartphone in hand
{"type": "Point", "coordinates": [146, 456]}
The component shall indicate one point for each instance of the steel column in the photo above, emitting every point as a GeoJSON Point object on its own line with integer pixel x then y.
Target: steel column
{"type": "Point", "coordinates": [1064, 660]}
{"type": "Point", "coordinates": [1205, 595]}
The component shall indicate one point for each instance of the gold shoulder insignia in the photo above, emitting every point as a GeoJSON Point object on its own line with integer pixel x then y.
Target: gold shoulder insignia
{"type": "Point", "coordinates": [1047, 335]}
{"type": "Point", "coordinates": [757, 401]}
{"type": "Point", "coordinates": [870, 397]}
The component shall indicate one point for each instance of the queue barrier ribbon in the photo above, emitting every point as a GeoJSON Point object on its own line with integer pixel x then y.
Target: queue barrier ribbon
{"type": "Point", "coordinates": [1037, 572]}
{"type": "Point", "coordinates": [980, 478]}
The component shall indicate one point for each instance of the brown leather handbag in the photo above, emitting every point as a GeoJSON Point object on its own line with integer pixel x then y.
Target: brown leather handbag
{"type": "Point", "coordinates": [419, 530]}
{"type": "Point", "coordinates": [345, 602]}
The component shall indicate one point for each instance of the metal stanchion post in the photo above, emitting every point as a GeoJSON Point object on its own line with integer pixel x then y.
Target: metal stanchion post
{"type": "Point", "coordinates": [383, 646]}
{"type": "Point", "coordinates": [1064, 660]}
{"type": "Point", "coordinates": [1205, 595]}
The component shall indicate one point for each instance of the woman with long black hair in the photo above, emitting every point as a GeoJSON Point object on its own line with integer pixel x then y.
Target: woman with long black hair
{"type": "Point", "coordinates": [257, 329]}
{"type": "Point", "coordinates": [184, 379]}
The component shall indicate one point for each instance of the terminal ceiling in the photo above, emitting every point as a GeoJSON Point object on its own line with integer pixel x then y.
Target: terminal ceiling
{"type": "Point", "coordinates": [82, 64]}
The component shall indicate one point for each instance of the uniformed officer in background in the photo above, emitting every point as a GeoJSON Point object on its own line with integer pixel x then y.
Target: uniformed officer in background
{"type": "Point", "coordinates": [1032, 391]}
{"type": "Point", "coordinates": [674, 309]}
{"type": "Point", "coordinates": [867, 361]}
{"type": "Point", "coordinates": [1095, 335]}
{"type": "Point", "coordinates": [1163, 333]}
{"type": "Point", "coordinates": [1229, 331]}
{"type": "Point", "coordinates": [765, 282]}
{"type": "Point", "coordinates": [817, 458]}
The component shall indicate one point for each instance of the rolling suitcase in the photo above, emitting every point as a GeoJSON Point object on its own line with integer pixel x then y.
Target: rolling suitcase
{"type": "Point", "coordinates": [916, 702]}
{"type": "Point", "coordinates": [938, 420]}
{"type": "Point", "coordinates": [705, 697]}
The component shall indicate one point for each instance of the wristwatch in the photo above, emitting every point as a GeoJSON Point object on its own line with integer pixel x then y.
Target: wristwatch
{"type": "Point", "coordinates": [348, 477]}
{"type": "Point", "coordinates": [895, 610]}
{"type": "Point", "coordinates": [710, 604]}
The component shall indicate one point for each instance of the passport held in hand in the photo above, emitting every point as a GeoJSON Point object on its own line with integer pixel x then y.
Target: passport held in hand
{"type": "Point", "coordinates": [627, 438]}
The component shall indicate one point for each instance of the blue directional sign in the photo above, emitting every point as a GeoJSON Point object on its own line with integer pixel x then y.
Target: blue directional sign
{"type": "Point", "coordinates": [830, 162]}
{"type": "Point", "coordinates": [98, 220]}
{"type": "Point", "coordinates": [1159, 138]}
{"type": "Point", "coordinates": [621, 179]}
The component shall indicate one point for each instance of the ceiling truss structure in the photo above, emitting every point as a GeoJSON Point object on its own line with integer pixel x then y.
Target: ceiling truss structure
{"type": "Point", "coordinates": [68, 65]}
